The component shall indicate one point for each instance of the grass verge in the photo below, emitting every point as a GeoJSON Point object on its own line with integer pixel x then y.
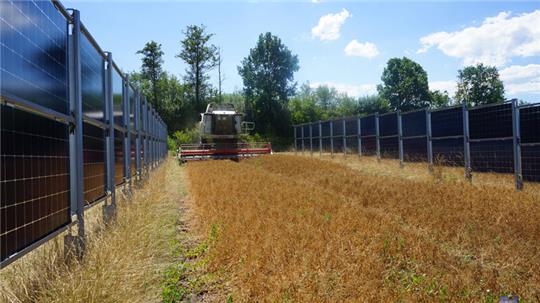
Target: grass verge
{"type": "Point", "coordinates": [130, 261]}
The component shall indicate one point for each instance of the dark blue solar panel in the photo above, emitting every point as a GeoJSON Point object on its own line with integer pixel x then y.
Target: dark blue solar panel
{"type": "Point", "coordinates": [117, 97]}
{"type": "Point", "coordinates": [491, 121]}
{"type": "Point", "coordinates": [414, 124]}
{"type": "Point", "coordinates": [33, 44]}
{"type": "Point", "coordinates": [367, 126]}
{"type": "Point", "coordinates": [34, 179]}
{"type": "Point", "coordinates": [92, 85]}
{"type": "Point", "coordinates": [447, 122]}
{"type": "Point", "coordinates": [388, 124]}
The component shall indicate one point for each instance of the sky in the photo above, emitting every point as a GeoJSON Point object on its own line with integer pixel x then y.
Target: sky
{"type": "Point", "coordinates": [341, 44]}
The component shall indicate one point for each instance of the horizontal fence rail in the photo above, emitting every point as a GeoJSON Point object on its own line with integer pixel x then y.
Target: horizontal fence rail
{"type": "Point", "coordinates": [502, 138]}
{"type": "Point", "coordinates": [73, 129]}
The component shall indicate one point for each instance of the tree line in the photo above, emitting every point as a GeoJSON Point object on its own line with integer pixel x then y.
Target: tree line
{"type": "Point", "coordinates": [273, 100]}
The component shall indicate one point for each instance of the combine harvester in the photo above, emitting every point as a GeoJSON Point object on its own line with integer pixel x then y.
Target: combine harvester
{"type": "Point", "coordinates": [221, 130]}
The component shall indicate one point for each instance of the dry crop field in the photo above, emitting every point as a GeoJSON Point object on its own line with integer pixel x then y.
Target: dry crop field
{"type": "Point", "coordinates": [291, 228]}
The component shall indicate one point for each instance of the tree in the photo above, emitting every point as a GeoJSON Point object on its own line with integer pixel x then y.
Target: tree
{"type": "Point", "coordinates": [268, 76]}
{"type": "Point", "coordinates": [201, 57]}
{"type": "Point", "coordinates": [151, 69]}
{"type": "Point", "coordinates": [405, 85]}
{"type": "Point", "coordinates": [439, 99]}
{"type": "Point", "coordinates": [326, 96]}
{"type": "Point", "coordinates": [372, 104]}
{"type": "Point", "coordinates": [478, 85]}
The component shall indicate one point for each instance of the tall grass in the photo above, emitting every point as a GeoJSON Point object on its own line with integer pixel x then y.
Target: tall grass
{"type": "Point", "coordinates": [301, 229]}
{"type": "Point", "coordinates": [123, 263]}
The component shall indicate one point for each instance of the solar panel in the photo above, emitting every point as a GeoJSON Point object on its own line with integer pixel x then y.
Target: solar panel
{"type": "Point", "coordinates": [34, 154]}
{"type": "Point", "coordinates": [93, 162]}
{"type": "Point", "coordinates": [34, 58]}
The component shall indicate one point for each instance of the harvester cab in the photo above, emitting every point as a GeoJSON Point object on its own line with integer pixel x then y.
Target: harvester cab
{"type": "Point", "coordinates": [221, 130]}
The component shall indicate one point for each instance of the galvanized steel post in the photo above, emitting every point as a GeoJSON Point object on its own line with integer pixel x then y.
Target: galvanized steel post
{"type": "Point", "coordinates": [303, 147]}
{"type": "Point", "coordinates": [295, 140]}
{"type": "Point", "coordinates": [400, 138]}
{"type": "Point", "coordinates": [127, 129]}
{"type": "Point", "coordinates": [76, 170]}
{"type": "Point", "coordinates": [344, 137]}
{"type": "Point", "coordinates": [359, 122]}
{"type": "Point", "coordinates": [377, 137]}
{"type": "Point", "coordinates": [311, 139]}
{"type": "Point", "coordinates": [332, 138]}
{"type": "Point", "coordinates": [516, 134]}
{"type": "Point", "coordinates": [466, 143]}
{"type": "Point", "coordinates": [138, 133]}
{"type": "Point", "coordinates": [109, 113]}
{"type": "Point", "coordinates": [320, 138]}
{"type": "Point", "coordinates": [429, 141]}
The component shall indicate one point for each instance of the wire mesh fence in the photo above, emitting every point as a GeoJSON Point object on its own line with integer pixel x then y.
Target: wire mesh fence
{"type": "Point", "coordinates": [502, 138]}
{"type": "Point", "coordinates": [72, 127]}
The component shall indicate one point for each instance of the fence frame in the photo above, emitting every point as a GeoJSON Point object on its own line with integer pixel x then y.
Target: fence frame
{"type": "Point", "coordinates": [516, 138]}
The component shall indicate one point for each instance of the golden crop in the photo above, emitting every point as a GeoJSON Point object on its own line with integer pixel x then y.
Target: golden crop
{"type": "Point", "coordinates": [300, 229]}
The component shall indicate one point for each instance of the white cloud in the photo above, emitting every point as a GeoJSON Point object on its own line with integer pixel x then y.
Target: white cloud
{"type": "Point", "coordinates": [449, 86]}
{"type": "Point", "coordinates": [329, 26]}
{"type": "Point", "coordinates": [494, 42]}
{"type": "Point", "coordinates": [367, 49]}
{"type": "Point", "coordinates": [520, 79]}
{"type": "Point", "coordinates": [349, 89]}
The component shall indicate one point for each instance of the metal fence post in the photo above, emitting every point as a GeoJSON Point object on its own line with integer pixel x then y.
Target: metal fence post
{"type": "Point", "coordinates": [400, 138]}
{"type": "Point", "coordinates": [137, 114]}
{"type": "Point", "coordinates": [516, 132]}
{"type": "Point", "coordinates": [332, 138]}
{"type": "Point", "coordinates": [429, 141]}
{"type": "Point", "coordinates": [377, 137]}
{"type": "Point", "coordinates": [359, 136]}
{"type": "Point", "coordinates": [466, 144]}
{"type": "Point", "coordinates": [320, 138]}
{"type": "Point", "coordinates": [295, 139]}
{"type": "Point", "coordinates": [127, 134]}
{"type": "Point", "coordinates": [145, 135]}
{"type": "Point", "coordinates": [76, 244]}
{"type": "Point", "coordinates": [344, 137]}
{"type": "Point", "coordinates": [311, 139]}
{"type": "Point", "coordinates": [303, 147]}
{"type": "Point", "coordinates": [109, 211]}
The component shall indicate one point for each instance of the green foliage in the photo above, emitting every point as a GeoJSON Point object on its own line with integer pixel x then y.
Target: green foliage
{"type": "Point", "coordinates": [372, 104]}
{"type": "Point", "coordinates": [439, 99]}
{"type": "Point", "coordinates": [151, 70]}
{"type": "Point", "coordinates": [200, 57]}
{"type": "Point", "coordinates": [405, 85]}
{"type": "Point", "coordinates": [186, 136]}
{"type": "Point", "coordinates": [478, 85]}
{"type": "Point", "coordinates": [268, 76]}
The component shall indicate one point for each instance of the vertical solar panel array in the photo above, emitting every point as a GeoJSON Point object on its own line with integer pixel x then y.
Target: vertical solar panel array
{"type": "Point", "coordinates": [530, 141]}
{"type": "Point", "coordinates": [490, 132]}
{"type": "Point", "coordinates": [36, 168]}
{"type": "Point", "coordinates": [315, 136]}
{"type": "Point", "coordinates": [33, 149]}
{"type": "Point", "coordinates": [501, 137]}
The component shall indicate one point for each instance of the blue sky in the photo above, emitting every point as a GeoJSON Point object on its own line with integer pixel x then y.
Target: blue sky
{"type": "Point", "coordinates": [342, 44]}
